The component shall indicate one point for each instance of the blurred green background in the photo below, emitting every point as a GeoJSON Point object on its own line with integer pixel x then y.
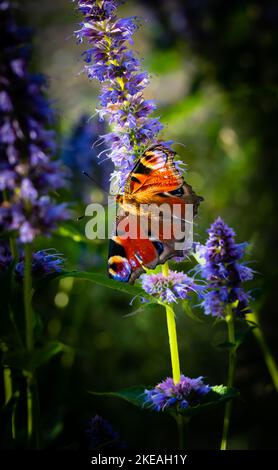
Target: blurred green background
{"type": "Point", "coordinates": [213, 67]}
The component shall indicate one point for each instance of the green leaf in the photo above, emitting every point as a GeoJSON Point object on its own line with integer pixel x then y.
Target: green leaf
{"type": "Point", "coordinates": [219, 394]}
{"type": "Point", "coordinates": [6, 423]}
{"type": "Point", "coordinates": [135, 395]}
{"type": "Point", "coordinates": [243, 329]}
{"type": "Point", "coordinates": [189, 312]}
{"type": "Point", "coordinates": [144, 308]}
{"type": "Point", "coordinates": [31, 360]}
{"type": "Point", "coordinates": [72, 233]}
{"type": "Point", "coordinates": [105, 281]}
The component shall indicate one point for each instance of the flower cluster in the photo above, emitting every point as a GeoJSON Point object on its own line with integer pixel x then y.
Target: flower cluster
{"type": "Point", "coordinates": [111, 61]}
{"type": "Point", "coordinates": [27, 173]}
{"type": "Point", "coordinates": [44, 262]}
{"type": "Point", "coordinates": [187, 392]}
{"type": "Point", "coordinates": [176, 285]}
{"type": "Point", "coordinates": [224, 271]}
{"type": "Point", "coordinates": [101, 434]}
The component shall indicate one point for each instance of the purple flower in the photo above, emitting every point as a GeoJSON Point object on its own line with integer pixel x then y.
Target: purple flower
{"type": "Point", "coordinates": [27, 173]}
{"type": "Point", "coordinates": [101, 435]}
{"type": "Point", "coordinates": [44, 262]}
{"type": "Point", "coordinates": [188, 392]}
{"type": "Point", "coordinates": [111, 61]}
{"type": "Point", "coordinates": [221, 266]}
{"type": "Point", "coordinates": [177, 285]}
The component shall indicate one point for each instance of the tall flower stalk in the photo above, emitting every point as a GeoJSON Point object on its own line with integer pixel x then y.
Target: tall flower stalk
{"type": "Point", "coordinates": [111, 61]}
{"type": "Point", "coordinates": [28, 175]}
{"type": "Point", "coordinates": [170, 287]}
{"type": "Point", "coordinates": [222, 267]}
{"type": "Point", "coordinates": [268, 357]}
{"type": "Point", "coordinates": [229, 317]}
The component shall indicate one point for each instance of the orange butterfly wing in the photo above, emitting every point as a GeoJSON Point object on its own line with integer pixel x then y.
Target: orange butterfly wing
{"type": "Point", "coordinates": [153, 174]}
{"type": "Point", "coordinates": [153, 180]}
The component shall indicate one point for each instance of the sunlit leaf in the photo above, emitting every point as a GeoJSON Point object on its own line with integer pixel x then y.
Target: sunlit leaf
{"type": "Point", "coordinates": [135, 395]}
{"type": "Point", "coordinates": [144, 308]}
{"type": "Point", "coordinates": [6, 423]}
{"type": "Point", "coordinates": [103, 280]}
{"type": "Point", "coordinates": [71, 232]}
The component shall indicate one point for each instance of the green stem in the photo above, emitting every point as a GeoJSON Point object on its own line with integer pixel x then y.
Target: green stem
{"type": "Point", "coordinates": [269, 359]}
{"type": "Point", "coordinates": [8, 386]}
{"type": "Point", "coordinates": [172, 333]}
{"type": "Point", "coordinates": [11, 240]}
{"type": "Point", "coordinates": [7, 373]}
{"type": "Point", "coordinates": [231, 374]}
{"type": "Point", "coordinates": [27, 292]}
{"type": "Point", "coordinates": [29, 338]}
{"type": "Point", "coordinates": [8, 389]}
{"type": "Point", "coordinates": [173, 342]}
{"type": "Point", "coordinates": [174, 351]}
{"type": "Point", "coordinates": [13, 248]}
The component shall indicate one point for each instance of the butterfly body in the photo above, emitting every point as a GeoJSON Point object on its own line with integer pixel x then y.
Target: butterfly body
{"type": "Point", "coordinates": [154, 180]}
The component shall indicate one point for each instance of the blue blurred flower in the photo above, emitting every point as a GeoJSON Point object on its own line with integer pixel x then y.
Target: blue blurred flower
{"type": "Point", "coordinates": [187, 392]}
{"type": "Point", "coordinates": [44, 262]}
{"type": "Point", "coordinates": [27, 173]}
{"type": "Point", "coordinates": [101, 434]}
{"type": "Point", "coordinates": [177, 285]}
{"type": "Point", "coordinates": [113, 63]}
{"type": "Point", "coordinates": [222, 267]}
{"type": "Point", "coordinates": [5, 256]}
{"type": "Point", "coordinates": [81, 156]}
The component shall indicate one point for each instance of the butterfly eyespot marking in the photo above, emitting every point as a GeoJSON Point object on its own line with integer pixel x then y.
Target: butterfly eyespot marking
{"type": "Point", "coordinates": [159, 247]}
{"type": "Point", "coordinates": [119, 268]}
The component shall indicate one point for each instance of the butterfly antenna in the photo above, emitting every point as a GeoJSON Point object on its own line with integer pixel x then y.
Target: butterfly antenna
{"type": "Point", "coordinates": [89, 176]}
{"type": "Point", "coordinates": [180, 143]}
{"type": "Point", "coordinates": [95, 181]}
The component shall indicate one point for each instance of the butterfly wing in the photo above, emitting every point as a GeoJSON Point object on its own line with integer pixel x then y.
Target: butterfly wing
{"type": "Point", "coordinates": [128, 254]}
{"type": "Point", "coordinates": [153, 174]}
{"type": "Point", "coordinates": [153, 180]}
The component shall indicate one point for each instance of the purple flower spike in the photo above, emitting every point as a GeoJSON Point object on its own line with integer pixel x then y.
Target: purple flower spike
{"type": "Point", "coordinates": [167, 394]}
{"type": "Point", "coordinates": [223, 271]}
{"type": "Point", "coordinates": [44, 262]}
{"type": "Point", "coordinates": [111, 61]}
{"type": "Point", "coordinates": [171, 288]}
{"type": "Point", "coordinates": [27, 174]}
